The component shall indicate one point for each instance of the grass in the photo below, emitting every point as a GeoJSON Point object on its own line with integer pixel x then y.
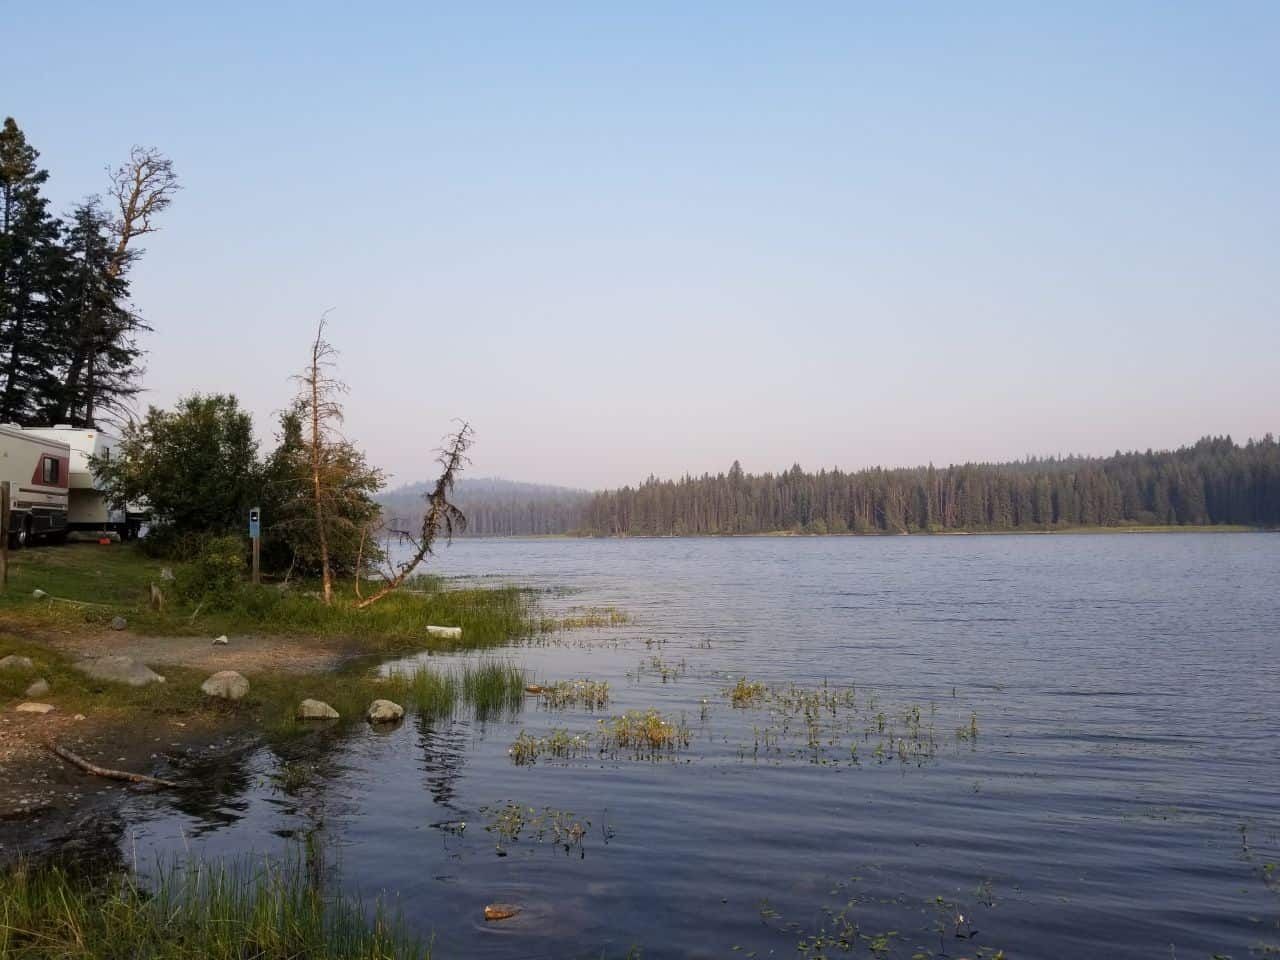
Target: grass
{"type": "Point", "coordinates": [490, 688]}
{"type": "Point", "coordinates": [193, 912]}
{"type": "Point", "coordinates": [644, 733]}
{"type": "Point", "coordinates": [88, 584]}
{"type": "Point", "coordinates": [588, 694]}
{"type": "Point", "coordinates": [559, 744]}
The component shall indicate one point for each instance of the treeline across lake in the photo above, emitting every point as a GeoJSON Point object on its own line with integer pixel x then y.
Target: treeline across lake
{"type": "Point", "coordinates": [1216, 481]}
{"type": "Point", "coordinates": [494, 507]}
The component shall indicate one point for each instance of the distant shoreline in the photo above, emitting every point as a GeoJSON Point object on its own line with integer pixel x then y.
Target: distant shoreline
{"type": "Point", "coordinates": [773, 534]}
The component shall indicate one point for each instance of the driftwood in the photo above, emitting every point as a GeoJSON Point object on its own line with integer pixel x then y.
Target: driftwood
{"type": "Point", "coordinates": [79, 761]}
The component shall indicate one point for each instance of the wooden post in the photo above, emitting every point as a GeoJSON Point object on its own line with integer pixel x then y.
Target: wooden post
{"type": "Point", "coordinates": [4, 534]}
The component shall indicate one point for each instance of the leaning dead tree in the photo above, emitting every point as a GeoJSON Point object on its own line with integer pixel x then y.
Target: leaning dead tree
{"type": "Point", "coordinates": [441, 516]}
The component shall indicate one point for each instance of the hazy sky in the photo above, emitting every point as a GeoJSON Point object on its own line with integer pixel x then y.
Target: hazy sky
{"type": "Point", "coordinates": [621, 244]}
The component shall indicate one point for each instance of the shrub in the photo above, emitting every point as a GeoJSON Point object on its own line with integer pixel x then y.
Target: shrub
{"type": "Point", "coordinates": [214, 576]}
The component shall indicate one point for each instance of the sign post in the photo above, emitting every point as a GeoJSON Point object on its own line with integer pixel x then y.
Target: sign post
{"type": "Point", "coordinates": [4, 533]}
{"type": "Point", "coordinates": [255, 534]}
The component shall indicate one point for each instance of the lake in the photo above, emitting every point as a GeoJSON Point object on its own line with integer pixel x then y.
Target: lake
{"type": "Point", "coordinates": [1055, 746]}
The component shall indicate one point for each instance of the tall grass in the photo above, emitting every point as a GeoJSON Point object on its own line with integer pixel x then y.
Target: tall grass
{"type": "Point", "coordinates": [192, 912]}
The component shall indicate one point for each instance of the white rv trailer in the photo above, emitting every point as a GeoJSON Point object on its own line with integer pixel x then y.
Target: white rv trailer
{"type": "Point", "coordinates": [88, 512]}
{"type": "Point", "coordinates": [36, 470]}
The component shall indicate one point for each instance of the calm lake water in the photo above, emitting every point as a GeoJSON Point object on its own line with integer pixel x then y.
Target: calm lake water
{"type": "Point", "coordinates": [1121, 797]}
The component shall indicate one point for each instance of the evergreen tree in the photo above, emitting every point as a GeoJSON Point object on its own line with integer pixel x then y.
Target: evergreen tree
{"type": "Point", "coordinates": [32, 277]}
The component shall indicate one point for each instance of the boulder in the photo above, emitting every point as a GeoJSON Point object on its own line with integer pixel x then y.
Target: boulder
{"type": "Point", "coordinates": [226, 685]}
{"type": "Point", "coordinates": [119, 669]}
{"type": "Point", "coordinates": [119, 623]}
{"type": "Point", "coordinates": [39, 687]}
{"type": "Point", "coordinates": [445, 633]}
{"type": "Point", "coordinates": [35, 708]}
{"type": "Point", "coordinates": [221, 641]}
{"type": "Point", "coordinates": [500, 911]}
{"type": "Point", "coordinates": [38, 593]}
{"type": "Point", "coordinates": [316, 710]}
{"type": "Point", "coordinates": [15, 662]}
{"type": "Point", "coordinates": [384, 711]}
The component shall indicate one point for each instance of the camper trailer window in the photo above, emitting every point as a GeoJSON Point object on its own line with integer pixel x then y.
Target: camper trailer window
{"type": "Point", "coordinates": [50, 471]}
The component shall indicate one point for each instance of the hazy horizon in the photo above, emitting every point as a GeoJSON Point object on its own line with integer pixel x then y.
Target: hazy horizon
{"type": "Point", "coordinates": [624, 244]}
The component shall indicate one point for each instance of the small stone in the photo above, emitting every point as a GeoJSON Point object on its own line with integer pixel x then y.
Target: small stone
{"type": "Point", "coordinates": [16, 662]}
{"type": "Point", "coordinates": [316, 710]}
{"type": "Point", "coordinates": [78, 716]}
{"type": "Point", "coordinates": [500, 911]}
{"type": "Point", "coordinates": [221, 641]}
{"type": "Point", "coordinates": [384, 711]}
{"type": "Point", "coordinates": [226, 685]}
{"type": "Point", "coordinates": [119, 623]}
{"type": "Point", "coordinates": [39, 687]}
{"type": "Point", "coordinates": [38, 593]}
{"type": "Point", "coordinates": [35, 707]}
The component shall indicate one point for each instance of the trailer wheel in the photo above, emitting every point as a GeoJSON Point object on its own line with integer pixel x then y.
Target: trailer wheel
{"type": "Point", "coordinates": [22, 536]}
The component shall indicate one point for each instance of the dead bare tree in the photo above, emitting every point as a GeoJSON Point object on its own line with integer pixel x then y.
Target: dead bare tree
{"type": "Point", "coordinates": [141, 187]}
{"type": "Point", "coordinates": [440, 516]}
{"type": "Point", "coordinates": [319, 390]}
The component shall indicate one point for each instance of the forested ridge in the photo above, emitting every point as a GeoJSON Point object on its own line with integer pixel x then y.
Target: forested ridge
{"type": "Point", "coordinates": [1216, 481]}
{"type": "Point", "coordinates": [495, 507]}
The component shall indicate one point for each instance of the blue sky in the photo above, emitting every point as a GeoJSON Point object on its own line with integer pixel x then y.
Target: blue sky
{"type": "Point", "coordinates": [624, 243]}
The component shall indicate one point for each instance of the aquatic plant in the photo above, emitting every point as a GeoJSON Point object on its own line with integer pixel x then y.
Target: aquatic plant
{"type": "Point", "coordinates": [194, 911]}
{"type": "Point", "coordinates": [510, 821]}
{"type": "Point", "coordinates": [589, 694]}
{"type": "Point", "coordinates": [560, 744]}
{"type": "Point", "coordinates": [746, 693]}
{"type": "Point", "coordinates": [645, 733]}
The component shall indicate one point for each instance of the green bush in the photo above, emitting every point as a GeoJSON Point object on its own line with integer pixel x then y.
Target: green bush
{"type": "Point", "coordinates": [215, 575]}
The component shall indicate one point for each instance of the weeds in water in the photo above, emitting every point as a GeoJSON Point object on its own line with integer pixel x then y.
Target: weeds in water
{"type": "Point", "coordinates": [746, 693]}
{"type": "Point", "coordinates": [195, 911]}
{"type": "Point", "coordinates": [969, 732]}
{"type": "Point", "coordinates": [647, 734]}
{"type": "Point", "coordinates": [559, 744]}
{"type": "Point", "coordinates": [577, 618]}
{"type": "Point", "coordinates": [664, 669]}
{"type": "Point", "coordinates": [588, 694]}
{"type": "Point", "coordinates": [511, 821]}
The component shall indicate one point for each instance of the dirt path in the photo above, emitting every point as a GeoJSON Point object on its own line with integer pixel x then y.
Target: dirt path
{"type": "Point", "coordinates": [247, 654]}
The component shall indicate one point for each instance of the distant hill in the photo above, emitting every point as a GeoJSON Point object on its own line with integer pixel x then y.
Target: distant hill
{"type": "Point", "coordinates": [495, 507]}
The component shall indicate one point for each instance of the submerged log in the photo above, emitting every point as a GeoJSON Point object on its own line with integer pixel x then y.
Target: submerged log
{"type": "Point", "coordinates": [79, 761]}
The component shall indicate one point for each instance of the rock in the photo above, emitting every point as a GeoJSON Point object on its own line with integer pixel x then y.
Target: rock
{"type": "Point", "coordinates": [16, 662]}
{"type": "Point", "coordinates": [500, 911]}
{"type": "Point", "coordinates": [221, 641]}
{"type": "Point", "coordinates": [226, 684]}
{"type": "Point", "coordinates": [119, 623]}
{"type": "Point", "coordinates": [38, 593]}
{"type": "Point", "coordinates": [35, 708]}
{"type": "Point", "coordinates": [119, 669]}
{"type": "Point", "coordinates": [39, 687]}
{"type": "Point", "coordinates": [445, 633]}
{"type": "Point", "coordinates": [384, 711]}
{"type": "Point", "coordinates": [316, 710]}
{"type": "Point", "coordinates": [166, 573]}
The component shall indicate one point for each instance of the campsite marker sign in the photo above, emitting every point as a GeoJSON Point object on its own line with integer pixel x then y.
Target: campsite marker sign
{"type": "Point", "coordinates": [255, 534]}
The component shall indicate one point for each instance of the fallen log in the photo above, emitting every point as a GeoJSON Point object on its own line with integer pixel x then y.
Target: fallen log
{"type": "Point", "coordinates": [78, 761]}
